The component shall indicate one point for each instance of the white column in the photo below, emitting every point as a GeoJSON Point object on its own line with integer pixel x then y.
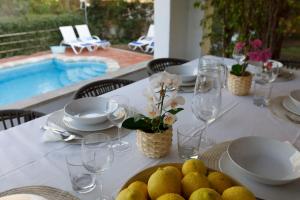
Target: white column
{"type": "Point", "coordinates": [177, 29]}
{"type": "Point", "coordinates": [162, 28]}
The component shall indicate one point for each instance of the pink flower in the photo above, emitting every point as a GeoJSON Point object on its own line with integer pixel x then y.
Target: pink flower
{"type": "Point", "coordinates": [256, 44]}
{"type": "Point", "coordinates": [265, 55]}
{"type": "Point", "coordinates": [268, 65]}
{"type": "Point", "coordinates": [240, 45]}
{"type": "Point", "coordinates": [254, 56]}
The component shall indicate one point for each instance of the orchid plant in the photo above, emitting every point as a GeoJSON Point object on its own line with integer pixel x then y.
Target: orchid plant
{"type": "Point", "coordinates": [162, 106]}
{"type": "Point", "coordinates": [254, 52]}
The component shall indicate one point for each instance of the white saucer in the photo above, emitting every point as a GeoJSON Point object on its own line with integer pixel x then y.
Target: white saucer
{"type": "Point", "coordinates": [290, 106]}
{"type": "Point", "coordinates": [288, 191]}
{"type": "Point", "coordinates": [86, 127]}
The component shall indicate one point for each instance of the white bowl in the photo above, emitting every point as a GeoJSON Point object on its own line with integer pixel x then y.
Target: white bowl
{"type": "Point", "coordinates": [188, 73]}
{"type": "Point", "coordinates": [91, 110]}
{"type": "Point", "coordinates": [265, 160]}
{"type": "Point", "coordinates": [295, 97]}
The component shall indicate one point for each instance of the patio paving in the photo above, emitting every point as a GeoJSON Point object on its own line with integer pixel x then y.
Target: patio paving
{"type": "Point", "coordinates": [123, 57]}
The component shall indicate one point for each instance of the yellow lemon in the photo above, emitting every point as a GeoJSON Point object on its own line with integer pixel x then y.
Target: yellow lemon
{"type": "Point", "coordinates": [174, 170]}
{"type": "Point", "coordinates": [219, 181]}
{"type": "Point", "coordinates": [170, 196]}
{"type": "Point", "coordinates": [162, 182]}
{"type": "Point", "coordinates": [237, 193]}
{"type": "Point", "coordinates": [139, 186]}
{"type": "Point", "coordinates": [206, 194]}
{"type": "Point", "coordinates": [193, 181]}
{"type": "Point", "coordinates": [194, 165]}
{"type": "Point", "coordinates": [128, 194]}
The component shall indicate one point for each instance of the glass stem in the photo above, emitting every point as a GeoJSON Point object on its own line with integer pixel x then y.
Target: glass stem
{"type": "Point", "coordinates": [99, 182]}
{"type": "Point", "coordinates": [205, 131]}
{"type": "Point", "coordinates": [119, 135]}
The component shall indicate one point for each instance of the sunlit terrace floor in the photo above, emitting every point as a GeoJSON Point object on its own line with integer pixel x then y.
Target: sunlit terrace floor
{"type": "Point", "coordinates": [123, 57]}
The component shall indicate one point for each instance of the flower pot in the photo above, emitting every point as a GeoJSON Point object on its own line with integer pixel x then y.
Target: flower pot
{"type": "Point", "coordinates": [239, 85]}
{"type": "Point", "coordinates": [154, 145]}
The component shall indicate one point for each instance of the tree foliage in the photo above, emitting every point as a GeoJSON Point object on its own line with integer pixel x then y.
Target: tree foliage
{"type": "Point", "coordinates": [269, 20]}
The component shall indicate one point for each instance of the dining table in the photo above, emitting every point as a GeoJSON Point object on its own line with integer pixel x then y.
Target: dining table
{"type": "Point", "coordinates": [27, 160]}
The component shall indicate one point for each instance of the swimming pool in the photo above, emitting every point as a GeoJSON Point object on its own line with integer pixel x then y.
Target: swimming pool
{"type": "Point", "coordinates": [27, 80]}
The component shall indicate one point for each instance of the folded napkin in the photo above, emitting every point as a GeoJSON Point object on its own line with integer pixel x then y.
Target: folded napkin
{"type": "Point", "coordinates": [50, 136]}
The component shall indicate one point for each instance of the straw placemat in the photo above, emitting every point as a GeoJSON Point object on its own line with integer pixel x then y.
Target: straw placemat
{"type": "Point", "coordinates": [47, 192]}
{"type": "Point", "coordinates": [279, 111]}
{"type": "Point", "coordinates": [212, 156]}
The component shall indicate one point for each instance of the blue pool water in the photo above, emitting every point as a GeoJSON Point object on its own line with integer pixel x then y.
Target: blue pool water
{"type": "Point", "coordinates": [28, 80]}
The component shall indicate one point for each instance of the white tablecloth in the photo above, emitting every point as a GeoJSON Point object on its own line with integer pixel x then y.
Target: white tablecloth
{"type": "Point", "coordinates": [25, 160]}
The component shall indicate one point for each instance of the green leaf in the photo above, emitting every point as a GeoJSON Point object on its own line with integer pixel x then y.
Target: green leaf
{"type": "Point", "coordinates": [175, 111]}
{"type": "Point", "coordinates": [141, 124]}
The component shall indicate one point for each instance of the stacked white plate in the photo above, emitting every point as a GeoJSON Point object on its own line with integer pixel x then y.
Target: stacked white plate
{"type": "Point", "coordinates": [89, 114]}
{"type": "Point", "coordinates": [188, 73]}
{"type": "Point", "coordinates": [292, 102]}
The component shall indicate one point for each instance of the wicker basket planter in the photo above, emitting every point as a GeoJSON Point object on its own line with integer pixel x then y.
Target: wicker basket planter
{"type": "Point", "coordinates": [239, 85]}
{"type": "Point", "coordinates": [154, 145]}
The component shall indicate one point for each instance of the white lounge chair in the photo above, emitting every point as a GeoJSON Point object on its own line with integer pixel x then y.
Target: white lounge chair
{"type": "Point", "coordinates": [143, 41]}
{"type": "Point", "coordinates": [150, 47]}
{"type": "Point", "coordinates": [70, 39]}
{"type": "Point", "coordinates": [85, 36]}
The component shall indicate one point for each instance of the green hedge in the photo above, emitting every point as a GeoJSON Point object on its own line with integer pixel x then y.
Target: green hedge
{"type": "Point", "coordinates": [39, 37]}
{"type": "Point", "coordinates": [119, 21]}
{"type": "Point", "coordinates": [116, 21]}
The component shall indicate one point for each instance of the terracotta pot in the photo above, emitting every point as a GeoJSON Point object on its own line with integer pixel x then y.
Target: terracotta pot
{"type": "Point", "coordinates": [239, 85]}
{"type": "Point", "coordinates": [154, 145]}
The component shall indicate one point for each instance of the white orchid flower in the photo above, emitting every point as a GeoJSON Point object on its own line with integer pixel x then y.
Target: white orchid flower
{"type": "Point", "coordinates": [152, 110]}
{"type": "Point", "coordinates": [174, 102]}
{"type": "Point", "coordinates": [169, 119]}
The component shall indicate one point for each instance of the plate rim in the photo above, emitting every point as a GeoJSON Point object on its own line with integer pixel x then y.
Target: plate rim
{"type": "Point", "coordinates": [76, 128]}
{"type": "Point", "coordinates": [285, 106]}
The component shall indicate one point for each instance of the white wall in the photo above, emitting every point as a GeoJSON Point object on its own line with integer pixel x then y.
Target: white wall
{"type": "Point", "coordinates": [177, 29]}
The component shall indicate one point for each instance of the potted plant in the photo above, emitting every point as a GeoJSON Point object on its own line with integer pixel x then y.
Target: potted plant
{"type": "Point", "coordinates": [239, 80]}
{"type": "Point", "coordinates": [154, 131]}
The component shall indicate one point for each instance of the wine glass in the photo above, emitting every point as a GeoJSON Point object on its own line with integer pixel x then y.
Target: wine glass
{"type": "Point", "coordinates": [97, 156]}
{"type": "Point", "coordinates": [207, 99]}
{"type": "Point", "coordinates": [239, 54]}
{"type": "Point", "coordinates": [117, 117]}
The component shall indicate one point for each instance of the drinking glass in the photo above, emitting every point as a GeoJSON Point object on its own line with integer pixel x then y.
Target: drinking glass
{"type": "Point", "coordinates": [207, 99]}
{"type": "Point", "coordinates": [97, 156]}
{"type": "Point", "coordinates": [188, 140]}
{"type": "Point", "coordinates": [117, 117]}
{"type": "Point", "coordinates": [81, 179]}
{"type": "Point", "coordinates": [263, 84]}
{"type": "Point", "coordinates": [238, 54]}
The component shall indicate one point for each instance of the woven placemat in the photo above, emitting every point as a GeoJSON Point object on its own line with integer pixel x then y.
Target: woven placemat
{"type": "Point", "coordinates": [212, 156]}
{"type": "Point", "coordinates": [279, 111]}
{"type": "Point", "coordinates": [47, 192]}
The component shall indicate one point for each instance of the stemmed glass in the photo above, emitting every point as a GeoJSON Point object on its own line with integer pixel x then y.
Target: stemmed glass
{"type": "Point", "coordinates": [117, 117]}
{"type": "Point", "coordinates": [97, 156]}
{"type": "Point", "coordinates": [206, 101]}
{"type": "Point", "coordinates": [239, 54]}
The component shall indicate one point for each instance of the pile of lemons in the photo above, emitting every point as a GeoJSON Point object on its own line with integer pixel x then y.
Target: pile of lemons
{"type": "Point", "coordinates": [193, 182]}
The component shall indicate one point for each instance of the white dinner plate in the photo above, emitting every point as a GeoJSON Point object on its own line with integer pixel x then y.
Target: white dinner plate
{"type": "Point", "coordinates": [86, 127]}
{"type": "Point", "coordinates": [22, 197]}
{"type": "Point", "coordinates": [288, 191]}
{"type": "Point", "coordinates": [290, 106]}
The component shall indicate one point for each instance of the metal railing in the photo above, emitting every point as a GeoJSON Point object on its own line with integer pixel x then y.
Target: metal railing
{"type": "Point", "coordinates": [25, 42]}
